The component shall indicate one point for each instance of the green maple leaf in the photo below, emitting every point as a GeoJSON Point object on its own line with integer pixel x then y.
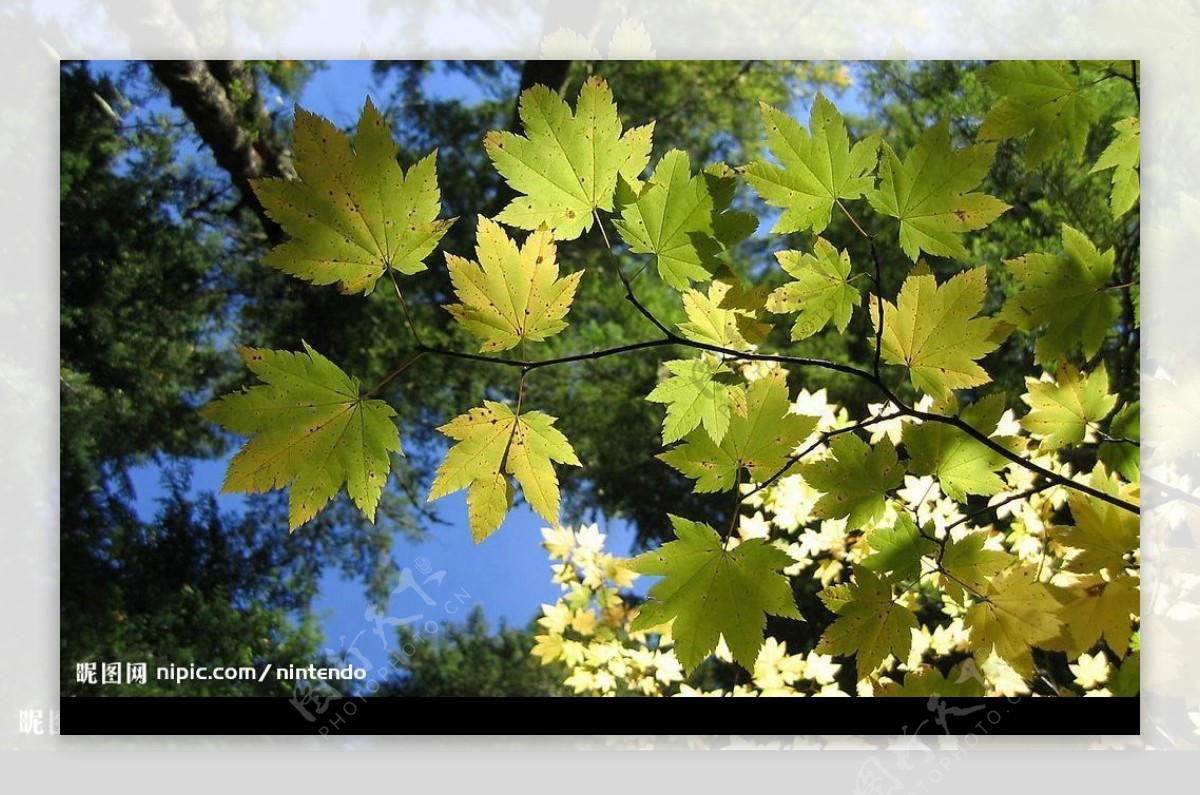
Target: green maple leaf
{"type": "Point", "coordinates": [961, 464]}
{"type": "Point", "coordinates": [314, 430]}
{"type": "Point", "coordinates": [725, 316]}
{"type": "Point", "coordinates": [1128, 680]}
{"type": "Point", "coordinates": [681, 220]}
{"type": "Point", "coordinates": [836, 597]}
{"type": "Point", "coordinates": [1099, 609]}
{"type": "Point", "coordinates": [855, 479]}
{"type": "Point", "coordinates": [928, 681]}
{"type": "Point", "coordinates": [969, 566]}
{"type": "Point", "coordinates": [492, 441]}
{"type": "Point", "coordinates": [1123, 155]}
{"type": "Point", "coordinates": [1121, 456]}
{"type": "Point", "coordinates": [870, 625]}
{"type": "Point", "coordinates": [898, 549]}
{"type": "Point", "coordinates": [821, 291]}
{"type": "Point", "coordinates": [511, 295]}
{"type": "Point", "coordinates": [1019, 612]}
{"type": "Point", "coordinates": [1061, 411]}
{"type": "Point", "coordinates": [354, 213]}
{"type": "Point", "coordinates": [1066, 296]}
{"type": "Point", "coordinates": [566, 164]}
{"type": "Point", "coordinates": [933, 331]}
{"type": "Point", "coordinates": [1039, 98]}
{"type": "Point", "coordinates": [1103, 533]}
{"type": "Point", "coordinates": [815, 170]}
{"type": "Point", "coordinates": [930, 192]}
{"type": "Point", "coordinates": [698, 392]}
{"type": "Point", "coordinates": [708, 592]}
{"type": "Point", "coordinates": [759, 441]}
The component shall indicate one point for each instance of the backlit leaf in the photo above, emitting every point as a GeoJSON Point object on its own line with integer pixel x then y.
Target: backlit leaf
{"type": "Point", "coordinates": [855, 479]}
{"type": "Point", "coordinates": [695, 394]}
{"type": "Point", "coordinates": [566, 164]}
{"type": "Point", "coordinates": [931, 193]}
{"type": "Point", "coordinates": [1060, 411]}
{"type": "Point", "coordinates": [1123, 155]}
{"type": "Point", "coordinates": [681, 220]}
{"type": "Point", "coordinates": [1065, 297]}
{"type": "Point", "coordinates": [961, 464]}
{"type": "Point", "coordinates": [1042, 99]}
{"type": "Point", "coordinates": [933, 330]}
{"type": "Point", "coordinates": [870, 625]}
{"type": "Point", "coordinates": [970, 568]}
{"type": "Point", "coordinates": [708, 592]}
{"type": "Point", "coordinates": [353, 214]}
{"type": "Point", "coordinates": [492, 442]}
{"type": "Point", "coordinates": [898, 549]}
{"type": "Point", "coordinates": [511, 295]}
{"type": "Point", "coordinates": [760, 440]}
{"type": "Point", "coordinates": [1019, 612]}
{"type": "Point", "coordinates": [820, 292]}
{"type": "Point", "coordinates": [313, 431]}
{"type": "Point", "coordinates": [815, 169]}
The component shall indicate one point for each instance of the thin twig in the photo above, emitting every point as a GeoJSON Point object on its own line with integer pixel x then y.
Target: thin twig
{"type": "Point", "coordinates": [535, 365]}
{"type": "Point", "coordinates": [1106, 437]}
{"type": "Point", "coordinates": [824, 438]}
{"type": "Point", "coordinates": [516, 420]}
{"type": "Point", "coordinates": [873, 377]}
{"type": "Point", "coordinates": [404, 305]}
{"type": "Point", "coordinates": [878, 361]}
{"type": "Point", "coordinates": [1010, 498]}
{"type": "Point", "coordinates": [407, 364]}
{"type": "Point", "coordinates": [857, 226]}
{"type": "Point", "coordinates": [737, 509]}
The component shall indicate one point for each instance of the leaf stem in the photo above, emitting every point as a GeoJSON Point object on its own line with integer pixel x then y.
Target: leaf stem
{"type": "Point", "coordinates": [516, 421]}
{"type": "Point", "coordinates": [737, 509]}
{"type": "Point", "coordinates": [407, 364]}
{"type": "Point", "coordinates": [857, 226]}
{"type": "Point", "coordinates": [412, 329]}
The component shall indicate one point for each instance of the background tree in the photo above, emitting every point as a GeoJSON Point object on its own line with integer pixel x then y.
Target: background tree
{"type": "Point", "coordinates": [469, 659]}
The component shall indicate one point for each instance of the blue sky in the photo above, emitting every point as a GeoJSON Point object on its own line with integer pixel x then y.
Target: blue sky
{"type": "Point", "coordinates": [508, 574]}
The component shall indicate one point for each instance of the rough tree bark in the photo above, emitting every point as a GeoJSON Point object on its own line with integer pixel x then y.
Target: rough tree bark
{"type": "Point", "coordinates": [222, 101]}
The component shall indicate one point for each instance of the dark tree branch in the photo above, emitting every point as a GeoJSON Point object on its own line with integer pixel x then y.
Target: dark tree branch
{"type": "Point", "coordinates": [902, 409]}
{"type": "Point", "coordinates": [237, 131]}
{"type": "Point", "coordinates": [825, 437]}
{"type": "Point", "coordinates": [874, 378]}
{"type": "Point", "coordinates": [1029, 492]}
{"type": "Point", "coordinates": [241, 86]}
{"type": "Point", "coordinates": [535, 365]}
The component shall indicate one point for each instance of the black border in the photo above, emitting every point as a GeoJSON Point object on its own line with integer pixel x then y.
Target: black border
{"type": "Point", "coordinates": [355, 715]}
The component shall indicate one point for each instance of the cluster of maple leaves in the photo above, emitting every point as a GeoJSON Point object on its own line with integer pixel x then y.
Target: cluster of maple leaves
{"type": "Point", "coordinates": [354, 216]}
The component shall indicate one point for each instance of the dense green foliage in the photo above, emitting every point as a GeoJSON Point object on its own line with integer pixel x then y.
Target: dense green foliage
{"type": "Point", "coordinates": [629, 174]}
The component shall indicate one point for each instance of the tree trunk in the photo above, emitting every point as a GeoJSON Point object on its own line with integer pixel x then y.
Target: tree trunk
{"type": "Point", "coordinates": [222, 101]}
